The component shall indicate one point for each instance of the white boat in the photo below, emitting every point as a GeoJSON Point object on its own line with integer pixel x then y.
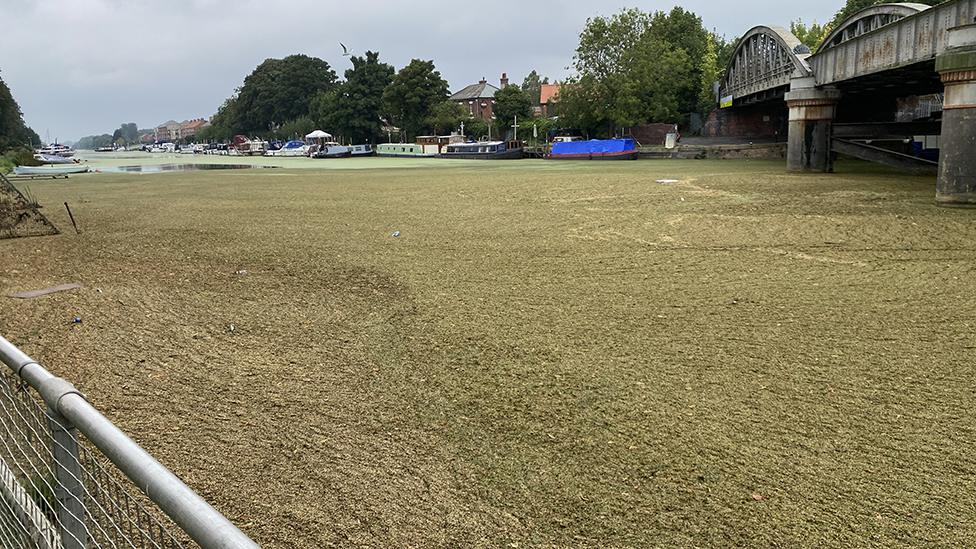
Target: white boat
{"type": "Point", "coordinates": [291, 148]}
{"type": "Point", "coordinates": [363, 150]}
{"type": "Point", "coordinates": [163, 148]}
{"type": "Point", "coordinates": [244, 146]}
{"type": "Point", "coordinates": [57, 149]}
{"type": "Point", "coordinates": [323, 145]}
{"type": "Point", "coordinates": [49, 170]}
{"type": "Point", "coordinates": [53, 159]}
{"type": "Point", "coordinates": [330, 149]}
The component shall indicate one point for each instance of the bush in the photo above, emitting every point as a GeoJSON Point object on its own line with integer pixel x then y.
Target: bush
{"type": "Point", "coordinates": [17, 157]}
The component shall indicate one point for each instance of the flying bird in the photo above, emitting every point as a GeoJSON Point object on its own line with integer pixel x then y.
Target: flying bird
{"type": "Point", "coordinates": [345, 50]}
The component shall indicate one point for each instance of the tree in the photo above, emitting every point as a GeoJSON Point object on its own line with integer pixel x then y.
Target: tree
{"type": "Point", "coordinates": [353, 109]}
{"type": "Point", "coordinates": [511, 102]}
{"type": "Point", "coordinates": [446, 117]}
{"type": "Point", "coordinates": [296, 129]}
{"type": "Point", "coordinates": [279, 90]}
{"type": "Point", "coordinates": [13, 131]}
{"type": "Point", "coordinates": [683, 30]}
{"type": "Point", "coordinates": [627, 75]}
{"type": "Point", "coordinates": [709, 75]}
{"type": "Point", "coordinates": [224, 124]}
{"type": "Point", "coordinates": [410, 99]}
{"type": "Point", "coordinates": [725, 50]}
{"type": "Point", "coordinates": [812, 36]}
{"type": "Point", "coordinates": [129, 132]}
{"type": "Point", "coordinates": [603, 42]}
{"type": "Point", "coordinates": [478, 128]}
{"type": "Point", "coordinates": [92, 142]}
{"type": "Point", "coordinates": [532, 86]}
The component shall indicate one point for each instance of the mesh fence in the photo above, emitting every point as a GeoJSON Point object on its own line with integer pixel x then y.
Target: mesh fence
{"type": "Point", "coordinates": [59, 492]}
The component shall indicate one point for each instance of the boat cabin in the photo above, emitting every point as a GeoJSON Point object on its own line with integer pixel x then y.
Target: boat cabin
{"type": "Point", "coordinates": [435, 144]}
{"type": "Point", "coordinates": [483, 147]}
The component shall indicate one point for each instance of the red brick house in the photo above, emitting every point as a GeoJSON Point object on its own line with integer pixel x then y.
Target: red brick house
{"type": "Point", "coordinates": [479, 99]}
{"type": "Point", "coordinates": [548, 95]}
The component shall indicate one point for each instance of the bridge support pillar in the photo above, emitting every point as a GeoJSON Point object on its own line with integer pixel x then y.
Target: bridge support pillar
{"type": "Point", "coordinates": [957, 161]}
{"type": "Point", "coordinates": [812, 112]}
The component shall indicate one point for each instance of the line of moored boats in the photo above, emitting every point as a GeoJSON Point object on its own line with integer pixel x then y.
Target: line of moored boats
{"type": "Point", "coordinates": [320, 144]}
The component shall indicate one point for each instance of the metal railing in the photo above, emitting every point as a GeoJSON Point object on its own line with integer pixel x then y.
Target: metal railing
{"type": "Point", "coordinates": [70, 479]}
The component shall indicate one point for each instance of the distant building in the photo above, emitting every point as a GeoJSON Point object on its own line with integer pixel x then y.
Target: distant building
{"type": "Point", "coordinates": [190, 128]}
{"type": "Point", "coordinates": [479, 99]}
{"type": "Point", "coordinates": [164, 132]}
{"type": "Point", "coordinates": [171, 130]}
{"type": "Point", "coordinates": [547, 99]}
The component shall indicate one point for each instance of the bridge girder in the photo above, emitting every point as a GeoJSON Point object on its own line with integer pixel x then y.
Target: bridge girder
{"type": "Point", "coordinates": [766, 59]}
{"type": "Point", "coordinates": [883, 41]}
{"type": "Point", "coordinates": [870, 19]}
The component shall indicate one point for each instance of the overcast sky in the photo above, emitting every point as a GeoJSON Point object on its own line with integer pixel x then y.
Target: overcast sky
{"type": "Point", "coordinates": [80, 67]}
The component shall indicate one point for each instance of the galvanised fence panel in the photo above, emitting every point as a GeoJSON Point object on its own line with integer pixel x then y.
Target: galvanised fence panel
{"type": "Point", "coordinates": [69, 479]}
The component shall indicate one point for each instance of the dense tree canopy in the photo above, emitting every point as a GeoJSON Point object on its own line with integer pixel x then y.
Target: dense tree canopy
{"type": "Point", "coordinates": [684, 31]}
{"type": "Point", "coordinates": [223, 125]}
{"type": "Point", "coordinates": [532, 86]}
{"type": "Point", "coordinates": [708, 75]}
{"type": "Point", "coordinates": [278, 91]}
{"type": "Point", "coordinates": [13, 131]}
{"type": "Point", "coordinates": [354, 108]}
{"type": "Point", "coordinates": [91, 142]}
{"type": "Point", "coordinates": [633, 68]}
{"type": "Point", "coordinates": [411, 98]}
{"type": "Point", "coordinates": [127, 133]}
{"type": "Point", "coordinates": [447, 117]}
{"type": "Point", "coordinates": [511, 102]}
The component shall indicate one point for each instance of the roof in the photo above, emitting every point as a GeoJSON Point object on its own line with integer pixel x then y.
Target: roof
{"type": "Point", "coordinates": [548, 93]}
{"type": "Point", "coordinates": [481, 90]}
{"type": "Point", "coordinates": [194, 124]}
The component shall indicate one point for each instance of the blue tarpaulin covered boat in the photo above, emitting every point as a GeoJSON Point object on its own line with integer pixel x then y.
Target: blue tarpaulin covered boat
{"type": "Point", "coordinates": [595, 149]}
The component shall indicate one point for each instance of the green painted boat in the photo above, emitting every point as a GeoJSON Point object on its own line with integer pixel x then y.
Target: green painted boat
{"type": "Point", "coordinates": [49, 170]}
{"type": "Point", "coordinates": [403, 150]}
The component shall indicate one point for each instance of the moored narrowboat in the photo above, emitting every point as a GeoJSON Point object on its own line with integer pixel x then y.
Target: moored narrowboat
{"type": "Point", "coordinates": [484, 150]}
{"type": "Point", "coordinates": [595, 149]}
{"type": "Point", "coordinates": [403, 150]}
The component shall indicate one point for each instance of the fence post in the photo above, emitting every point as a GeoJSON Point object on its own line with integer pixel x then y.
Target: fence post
{"type": "Point", "coordinates": [69, 490]}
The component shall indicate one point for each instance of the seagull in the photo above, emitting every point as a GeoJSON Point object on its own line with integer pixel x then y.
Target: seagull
{"type": "Point", "coordinates": [345, 50]}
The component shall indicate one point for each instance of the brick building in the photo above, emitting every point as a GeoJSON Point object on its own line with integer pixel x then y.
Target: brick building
{"type": "Point", "coordinates": [191, 127]}
{"type": "Point", "coordinates": [479, 99]}
{"type": "Point", "coordinates": [174, 131]}
{"type": "Point", "coordinates": [165, 131]}
{"type": "Point", "coordinates": [548, 95]}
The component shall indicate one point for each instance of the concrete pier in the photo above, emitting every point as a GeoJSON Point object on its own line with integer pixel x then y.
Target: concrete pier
{"type": "Point", "coordinates": [957, 162]}
{"type": "Point", "coordinates": [812, 112]}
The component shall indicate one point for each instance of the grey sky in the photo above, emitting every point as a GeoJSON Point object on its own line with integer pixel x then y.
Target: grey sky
{"type": "Point", "coordinates": [80, 67]}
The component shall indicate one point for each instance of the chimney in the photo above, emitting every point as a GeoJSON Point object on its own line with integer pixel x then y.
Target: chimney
{"type": "Point", "coordinates": [504, 80]}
